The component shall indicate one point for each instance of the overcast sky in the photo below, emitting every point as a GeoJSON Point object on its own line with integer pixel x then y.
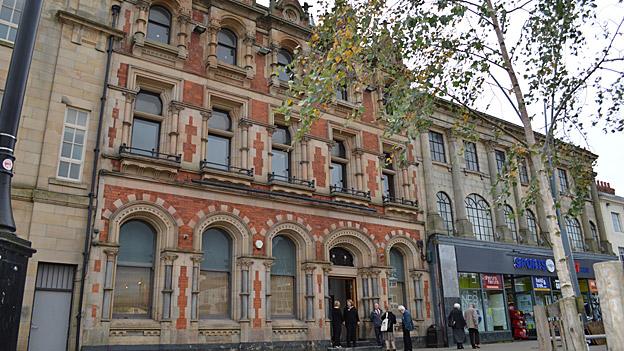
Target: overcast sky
{"type": "Point", "coordinates": [609, 147]}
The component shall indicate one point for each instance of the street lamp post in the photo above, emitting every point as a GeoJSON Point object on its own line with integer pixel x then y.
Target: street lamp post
{"type": "Point", "coordinates": [14, 251]}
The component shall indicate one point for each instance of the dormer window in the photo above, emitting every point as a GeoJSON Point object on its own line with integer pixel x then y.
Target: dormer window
{"type": "Point", "coordinates": [159, 24]}
{"type": "Point", "coordinates": [227, 44]}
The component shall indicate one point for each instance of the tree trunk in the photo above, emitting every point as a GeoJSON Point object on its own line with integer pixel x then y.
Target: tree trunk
{"type": "Point", "coordinates": [574, 327]}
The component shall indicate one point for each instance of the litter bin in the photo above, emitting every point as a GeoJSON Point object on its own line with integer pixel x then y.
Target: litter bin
{"type": "Point", "coordinates": [432, 336]}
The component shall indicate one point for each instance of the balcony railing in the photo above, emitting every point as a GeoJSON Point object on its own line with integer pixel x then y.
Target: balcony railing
{"type": "Point", "coordinates": [291, 180]}
{"type": "Point", "coordinates": [400, 201]}
{"type": "Point", "coordinates": [349, 191]}
{"type": "Point", "coordinates": [153, 153]}
{"type": "Point", "coordinates": [226, 168]}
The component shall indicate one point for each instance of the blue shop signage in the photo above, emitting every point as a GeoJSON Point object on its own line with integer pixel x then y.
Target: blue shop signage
{"type": "Point", "coordinates": [541, 283]}
{"type": "Point", "coordinates": [534, 264]}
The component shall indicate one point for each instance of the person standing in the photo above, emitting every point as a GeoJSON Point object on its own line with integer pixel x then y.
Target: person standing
{"type": "Point", "coordinates": [408, 326]}
{"type": "Point", "coordinates": [376, 319]}
{"type": "Point", "coordinates": [336, 324]}
{"type": "Point", "coordinates": [388, 334]}
{"type": "Point", "coordinates": [351, 320]}
{"type": "Point", "coordinates": [458, 323]}
{"type": "Point", "coordinates": [472, 322]}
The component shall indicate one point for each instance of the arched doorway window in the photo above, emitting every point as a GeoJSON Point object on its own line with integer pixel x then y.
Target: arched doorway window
{"type": "Point", "coordinates": [135, 271]}
{"type": "Point", "coordinates": [396, 281]}
{"type": "Point", "coordinates": [283, 278]}
{"type": "Point", "coordinates": [532, 224]}
{"type": "Point", "coordinates": [575, 236]}
{"type": "Point", "coordinates": [480, 216]}
{"type": "Point", "coordinates": [340, 257]}
{"type": "Point", "coordinates": [215, 274]}
{"type": "Point", "coordinates": [510, 220]}
{"type": "Point", "coordinates": [446, 212]}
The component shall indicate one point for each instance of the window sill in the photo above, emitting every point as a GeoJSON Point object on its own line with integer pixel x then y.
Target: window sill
{"type": "Point", "coordinates": [123, 325]}
{"type": "Point", "coordinates": [67, 183]}
{"type": "Point", "coordinates": [166, 52]}
{"type": "Point", "coordinates": [226, 176]}
{"type": "Point", "coordinates": [8, 44]}
{"type": "Point", "coordinates": [286, 187]}
{"type": "Point", "coordinates": [401, 208]}
{"type": "Point", "coordinates": [221, 326]}
{"type": "Point", "coordinates": [148, 166]}
{"type": "Point", "coordinates": [477, 173]}
{"type": "Point", "coordinates": [441, 164]}
{"type": "Point", "coordinates": [351, 199]}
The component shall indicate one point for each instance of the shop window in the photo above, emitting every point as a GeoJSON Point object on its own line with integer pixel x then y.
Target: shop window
{"type": "Point", "coordinates": [284, 59]}
{"type": "Point", "coordinates": [159, 24]}
{"type": "Point", "coordinates": [387, 176]}
{"type": "Point", "coordinates": [340, 257]}
{"type": "Point", "coordinates": [470, 155]}
{"type": "Point", "coordinates": [524, 172]}
{"type": "Point", "coordinates": [446, 212]}
{"type": "Point", "coordinates": [283, 278]}
{"type": "Point", "coordinates": [146, 124]}
{"type": "Point", "coordinates": [10, 15]}
{"type": "Point", "coordinates": [573, 229]}
{"type": "Point", "coordinates": [339, 162]}
{"type": "Point", "coordinates": [281, 159]}
{"type": "Point", "coordinates": [563, 180]}
{"type": "Point", "coordinates": [215, 274]}
{"type": "Point", "coordinates": [396, 281]}
{"type": "Point", "coordinates": [470, 293]}
{"type": "Point", "coordinates": [510, 220]}
{"type": "Point", "coordinates": [436, 144]}
{"type": "Point", "coordinates": [500, 160]}
{"type": "Point", "coordinates": [480, 216]}
{"type": "Point", "coordinates": [532, 224]}
{"type": "Point", "coordinates": [227, 44]}
{"type": "Point", "coordinates": [135, 271]}
{"type": "Point", "coordinates": [72, 145]}
{"type": "Point", "coordinates": [219, 140]}
{"type": "Point", "coordinates": [617, 225]}
{"type": "Point", "coordinates": [494, 308]}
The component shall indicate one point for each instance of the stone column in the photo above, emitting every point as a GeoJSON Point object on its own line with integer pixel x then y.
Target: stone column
{"type": "Point", "coordinates": [365, 278]}
{"type": "Point", "coordinates": [204, 134]}
{"type": "Point", "coordinates": [167, 291]}
{"type": "Point", "coordinates": [504, 234]}
{"type": "Point", "coordinates": [141, 22]}
{"type": "Point", "coordinates": [405, 184]}
{"type": "Point", "coordinates": [434, 221]}
{"type": "Point", "coordinates": [244, 265]}
{"type": "Point", "coordinates": [244, 125]}
{"type": "Point", "coordinates": [267, 289]}
{"type": "Point", "coordinates": [213, 31]}
{"type": "Point", "coordinates": [309, 292]}
{"type": "Point", "coordinates": [305, 175]}
{"type": "Point", "coordinates": [605, 245]}
{"type": "Point", "coordinates": [523, 227]}
{"type": "Point", "coordinates": [610, 281]}
{"type": "Point", "coordinates": [328, 306]}
{"type": "Point", "coordinates": [127, 118]}
{"type": "Point", "coordinates": [359, 171]}
{"type": "Point", "coordinates": [418, 296]}
{"type": "Point", "coordinates": [174, 129]}
{"type": "Point", "coordinates": [463, 225]}
{"type": "Point", "coordinates": [111, 259]}
{"type": "Point", "coordinates": [270, 130]}
{"type": "Point", "coordinates": [375, 285]}
{"type": "Point", "coordinates": [184, 23]}
{"type": "Point", "coordinates": [249, 40]}
{"type": "Point", "coordinates": [196, 259]}
{"type": "Point", "coordinates": [272, 57]}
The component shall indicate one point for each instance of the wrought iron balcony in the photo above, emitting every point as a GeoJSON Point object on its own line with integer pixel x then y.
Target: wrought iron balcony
{"type": "Point", "coordinates": [291, 180]}
{"type": "Point", "coordinates": [226, 168]}
{"type": "Point", "coordinates": [400, 201]}
{"type": "Point", "coordinates": [153, 153]}
{"type": "Point", "coordinates": [349, 191]}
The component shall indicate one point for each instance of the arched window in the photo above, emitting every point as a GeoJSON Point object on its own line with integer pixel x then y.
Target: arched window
{"type": "Point", "coordinates": [159, 24]}
{"type": "Point", "coordinates": [339, 164]}
{"type": "Point", "coordinates": [135, 270]}
{"type": "Point", "coordinates": [396, 281]}
{"type": "Point", "coordinates": [284, 58]}
{"type": "Point", "coordinates": [280, 161]}
{"type": "Point", "coordinates": [480, 216]}
{"type": "Point", "coordinates": [340, 257]}
{"type": "Point", "coordinates": [446, 211]}
{"type": "Point", "coordinates": [531, 224]}
{"type": "Point", "coordinates": [215, 275]}
{"type": "Point", "coordinates": [594, 231]}
{"type": "Point", "coordinates": [283, 277]}
{"type": "Point", "coordinates": [573, 229]}
{"type": "Point", "coordinates": [219, 140]}
{"type": "Point", "coordinates": [510, 220]}
{"type": "Point", "coordinates": [148, 109]}
{"type": "Point", "coordinates": [227, 42]}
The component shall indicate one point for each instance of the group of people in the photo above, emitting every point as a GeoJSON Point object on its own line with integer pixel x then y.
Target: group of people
{"type": "Point", "coordinates": [459, 322]}
{"type": "Point", "coordinates": [383, 323]}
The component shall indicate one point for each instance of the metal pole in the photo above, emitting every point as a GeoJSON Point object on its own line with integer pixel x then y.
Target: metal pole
{"type": "Point", "coordinates": [14, 251]}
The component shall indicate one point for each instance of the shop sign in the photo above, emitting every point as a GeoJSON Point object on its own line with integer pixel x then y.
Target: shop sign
{"type": "Point", "coordinates": [541, 283]}
{"type": "Point", "coordinates": [535, 264]}
{"type": "Point", "coordinates": [557, 284]}
{"type": "Point", "coordinates": [592, 286]}
{"type": "Point", "coordinates": [492, 281]}
{"type": "Point", "coordinates": [580, 269]}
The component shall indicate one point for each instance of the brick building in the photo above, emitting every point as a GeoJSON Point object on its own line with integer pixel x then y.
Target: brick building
{"type": "Point", "coordinates": [210, 222]}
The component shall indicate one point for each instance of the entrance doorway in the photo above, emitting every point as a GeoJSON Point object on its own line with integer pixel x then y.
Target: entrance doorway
{"type": "Point", "coordinates": [49, 326]}
{"type": "Point", "coordinates": [341, 289]}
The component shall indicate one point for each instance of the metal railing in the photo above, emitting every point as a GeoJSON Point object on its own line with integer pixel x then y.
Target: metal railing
{"type": "Point", "coordinates": [291, 180]}
{"type": "Point", "coordinates": [226, 168]}
{"type": "Point", "coordinates": [333, 189]}
{"type": "Point", "coordinates": [400, 201]}
{"type": "Point", "coordinates": [153, 153]}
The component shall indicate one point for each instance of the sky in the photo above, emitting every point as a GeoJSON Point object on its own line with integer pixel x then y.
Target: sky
{"type": "Point", "coordinates": [608, 146]}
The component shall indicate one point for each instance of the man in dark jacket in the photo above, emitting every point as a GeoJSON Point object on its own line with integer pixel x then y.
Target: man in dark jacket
{"type": "Point", "coordinates": [336, 324]}
{"type": "Point", "coordinates": [376, 319]}
{"type": "Point", "coordinates": [351, 320]}
{"type": "Point", "coordinates": [408, 326]}
{"type": "Point", "coordinates": [458, 323]}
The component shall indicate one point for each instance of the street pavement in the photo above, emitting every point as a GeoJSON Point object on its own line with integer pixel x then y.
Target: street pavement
{"type": "Point", "coordinates": [512, 346]}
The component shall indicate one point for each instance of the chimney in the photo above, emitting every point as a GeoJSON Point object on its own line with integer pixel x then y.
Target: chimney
{"type": "Point", "coordinates": [605, 187]}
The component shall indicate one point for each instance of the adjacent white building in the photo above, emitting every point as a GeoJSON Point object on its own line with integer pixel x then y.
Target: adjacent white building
{"type": "Point", "coordinates": [613, 212]}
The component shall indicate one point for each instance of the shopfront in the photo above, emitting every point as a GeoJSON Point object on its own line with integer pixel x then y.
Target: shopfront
{"type": "Point", "coordinates": [495, 276]}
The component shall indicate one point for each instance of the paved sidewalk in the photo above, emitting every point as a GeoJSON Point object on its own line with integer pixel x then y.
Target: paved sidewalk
{"type": "Point", "coordinates": [511, 346]}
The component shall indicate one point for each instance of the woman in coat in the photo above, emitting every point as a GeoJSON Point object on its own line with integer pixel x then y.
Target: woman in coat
{"type": "Point", "coordinates": [472, 322]}
{"type": "Point", "coordinates": [388, 334]}
{"type": "Point", "coordinates": [336, 324]}
{"type": "Point", "coordinates": [351, 320]}
{"type": "Point", "coordinates": [458, 323]}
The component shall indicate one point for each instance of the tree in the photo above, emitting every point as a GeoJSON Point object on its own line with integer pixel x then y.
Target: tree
{"type": "Point", "coordinates": [424, 54]}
